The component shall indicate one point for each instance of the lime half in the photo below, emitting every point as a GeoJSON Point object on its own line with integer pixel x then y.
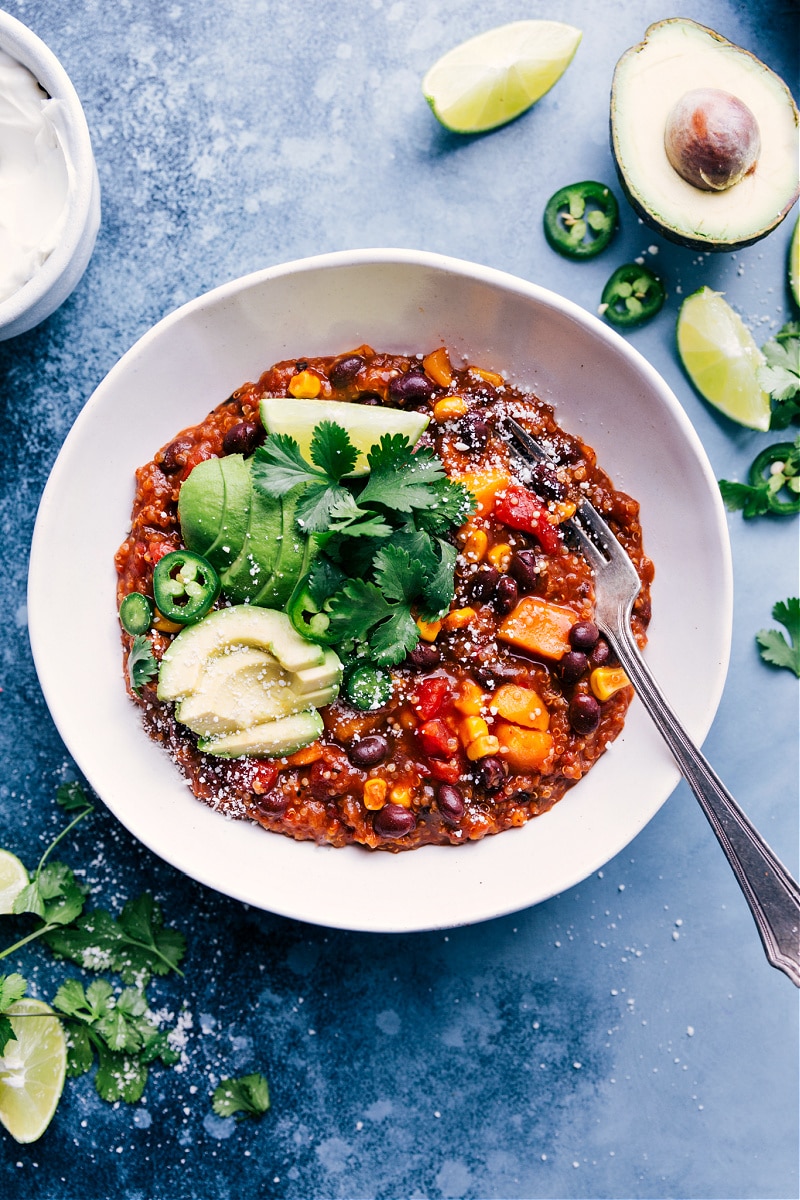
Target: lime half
{"type": "Point", "coordinates": [722, 359]}
{"type": "Point", "coordinates": [794, 263]}
{"type": "Point", "coordinates": [32, 1070]}
{"type": "Point", "coordinates": [13, 878]}
{"type": "Point", "coordinates": [497, 75]}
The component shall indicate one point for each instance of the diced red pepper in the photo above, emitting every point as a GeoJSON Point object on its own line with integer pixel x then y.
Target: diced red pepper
{"type": "Point", "coordinates": [264, 773]}
{"type": "Point", "coordinates": [522, 509]}
{"type": "Point", "coordinates": [437, 739]}
{"type": "Point", "coordinates": [432, 693]}
{"type": "Point", "coordinates": [446, 769]}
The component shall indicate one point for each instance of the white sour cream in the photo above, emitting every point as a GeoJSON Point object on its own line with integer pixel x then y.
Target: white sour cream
{"type": "Point", "coordinates": [35, 176]}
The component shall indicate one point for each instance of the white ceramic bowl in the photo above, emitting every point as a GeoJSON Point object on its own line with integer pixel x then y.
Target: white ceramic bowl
{"type": "Point", "coordinates": [59, 274]}
{"type": "Point", "coordinates": [395, 300]}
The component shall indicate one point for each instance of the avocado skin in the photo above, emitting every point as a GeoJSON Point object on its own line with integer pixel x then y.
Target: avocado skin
{"type": "Point", "coordinates": [685, 237]}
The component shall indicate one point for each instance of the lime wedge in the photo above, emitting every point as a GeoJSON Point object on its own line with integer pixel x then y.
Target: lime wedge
{"type": "Point", "coordinates": [722, 359]}
{"type": "Point", "coordinates": [497, 75]}
{"type": "Point", "coordinates": [365, 423]}
{"type": "Point", "coordinates": [32, 1070]}
{"type": "Point", "coordinates": [794, 263]}
{"type": "Point", "coordinates": [13, 878]}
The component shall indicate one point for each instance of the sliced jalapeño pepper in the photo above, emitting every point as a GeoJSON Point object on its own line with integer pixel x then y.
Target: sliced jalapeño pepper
{"type": "Point", "coordinates": [632, 295]}
{"type": "Point", "coordinates": [307, 602]}
{"type": "Point", "coordinates": [581, 219]}
{"type": "Point", "coordinates": [136, 613]}
{"type": "Point", "coordinates": [185, 586]}
{"type": "Point", "coordinates": [779, 467]}
{"type": "Point", "coordinates": [367, 687]}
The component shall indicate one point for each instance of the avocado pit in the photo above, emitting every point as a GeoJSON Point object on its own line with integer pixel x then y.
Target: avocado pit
{"type": "Point", "coordinates": [712, 139]}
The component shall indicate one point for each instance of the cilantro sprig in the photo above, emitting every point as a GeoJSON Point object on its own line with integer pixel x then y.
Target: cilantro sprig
{"type": "Point", "coordinates": [780, 375]}
{"type": "Point", "coordinates": [773, 646]}
{"type": "Point", "coordinates": [142, 665]}
{"type": "Point", "coordinates": [244, 1098]}
{"type": "Point", "coordinates": [386, 555]}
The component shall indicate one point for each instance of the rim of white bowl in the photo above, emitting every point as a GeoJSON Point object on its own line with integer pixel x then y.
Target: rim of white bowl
{"type": "Point", "coordinates": [27, 48]}
{"type": "Point", "coordinates": [486, 908]}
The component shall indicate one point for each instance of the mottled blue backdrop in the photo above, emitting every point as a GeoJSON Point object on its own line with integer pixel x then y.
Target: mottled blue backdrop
{"type": "Point", "coordinates": [626, 1039]}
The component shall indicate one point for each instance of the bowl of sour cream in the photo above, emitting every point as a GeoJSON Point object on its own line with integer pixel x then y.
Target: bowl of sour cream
{"type": "Point", "coordinates": [49, 190]}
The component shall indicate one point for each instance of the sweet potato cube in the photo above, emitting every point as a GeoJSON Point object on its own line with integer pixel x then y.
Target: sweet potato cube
{"type": "Point", "coordinates": [524, 749]}
{"type": "Point", "coordinates": [484, 486]}
{"type": "Point", "coordinates": [521, 705]}
{"type": "Point", "coordinates": [538, 626]}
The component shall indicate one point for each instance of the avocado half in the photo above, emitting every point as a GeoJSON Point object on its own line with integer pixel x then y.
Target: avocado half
{"type": "Point", "coordinates": [677, 56]}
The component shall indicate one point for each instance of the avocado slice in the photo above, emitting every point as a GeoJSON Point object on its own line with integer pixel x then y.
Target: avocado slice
{"type": "Point", "coordinates": [328, 674]}
{"type": "Point", "coordinates": [245, 576]}
{"type": "Point", "coordinates": [270, 740]}
{"type": "Point", "coordinates": [214, 509]}
{"type": "Point", "coordinates": [650, 82]}
{"type": "Point", "coordinates": [242, 688]}
{"type": "Point", "coordinates": [293, 552]}
{"type": "Point", "coordinates": [185, 659]}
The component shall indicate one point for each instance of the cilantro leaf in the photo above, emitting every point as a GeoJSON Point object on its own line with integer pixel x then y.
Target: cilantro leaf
{"type": "Point", "coordinates": [753, 501]}
{"type": "Point", "coordinates": [80, 1051]}
{"type": "Point", "coordinates": [279, 466]}
{"type": "Point", "coordinates": [450, 504]}
{"type": "Point", "coordinates": [393, 639]}
{"type": "Point", "coordinates": [71, 796]}
{"type": "Point", "coordinates": [119, 1076]}
{"type": "Point", "coordinates": [773, 647]}
{"type": "Point", "coordinates": [142, 665]}
{"type": "Point", "coordinates": [136, 945]}
{"type": "Point", "coordinates": [53, 895]}
{"type": "Point", "coordinates": [314, 508]}
{"type": "Point", "coordinates": [780, 375]}
{"type": "Point", "coordinates": [399, 475]}
{"type": "Point", "coordinates": [399, 576]}
{"type": "Point", "coordinates": [245, 1097]}
{"type": "Point", "coordinates": [354, 609]}
{"type": "Point", "coordinates": [12, 988]}
{"type": "Point", "coordinates": [332, 451]}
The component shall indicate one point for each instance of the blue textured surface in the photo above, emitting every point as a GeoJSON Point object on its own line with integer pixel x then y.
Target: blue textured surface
{"type": "Point", "coordinates": [626, 1039]}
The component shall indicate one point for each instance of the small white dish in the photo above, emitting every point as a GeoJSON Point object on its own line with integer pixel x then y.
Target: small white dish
{"type": "Point", "coordinates": [396, 300]}
{"type": "Point", "coordinates": [61, 271]}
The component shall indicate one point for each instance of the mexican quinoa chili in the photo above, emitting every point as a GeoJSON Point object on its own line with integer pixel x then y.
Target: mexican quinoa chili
{"type": "Point", "coordinates": [502, 705]}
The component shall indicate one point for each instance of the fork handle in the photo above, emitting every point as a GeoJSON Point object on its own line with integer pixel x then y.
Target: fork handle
{"type": "Point", "coordinates": [771, 892]}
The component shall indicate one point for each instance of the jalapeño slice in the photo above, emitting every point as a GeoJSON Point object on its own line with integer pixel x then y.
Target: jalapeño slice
{"type": "Point", "coordinates": [136, 613]}
{"type": "Point", "coordinates": [581, 219]}
{"type": "Point", "coordinates": [367, 687]}
{"type": "Point", "coordinates": [632, 295]}
{"type": "Point", "coordinates": [786, 475]}
{"type": "Point", "coordinates": [185, 586]}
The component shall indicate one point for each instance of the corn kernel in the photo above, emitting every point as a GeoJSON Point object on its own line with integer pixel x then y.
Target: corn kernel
{"type": "Point", "coordinates": [482, 747]}
{"type": "Point", "coordinates": [470, 699]}
{"type": "Point", "coordinates": [562, 511]}
{"type": "Point", "coordinates": [375, 794]}
{"type": "Point", "coordinates": [449, 407]}
{"type": "Point", "coordinates": [437, 366]}
{"type": "Point", "coordinates": [605, 681]}
{"type": "Point", "coordinates": [164, 625]}
{"type": "Point", "coordinates": [472, 728]}
{"type": "Point", "coordinates": [475, 545]}
{"type": "Point", "coordinates": [401, 794]}
{"type": "Point", "coordinates": [489, 376]}
{"type": "Point", "coordinates": [428, 630]}
{"type": "Point", "coordinates": [305, 385]}
{"type": "Point", "coordinates": [459, 618]}
{"type": "Point", "coordinates": [500, 555]}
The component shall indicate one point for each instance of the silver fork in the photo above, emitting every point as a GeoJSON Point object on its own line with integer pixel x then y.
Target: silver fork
{"type": "Point", "coordinates": [771, 892]}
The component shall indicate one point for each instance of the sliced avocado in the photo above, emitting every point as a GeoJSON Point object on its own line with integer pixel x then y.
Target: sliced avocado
{"type": "Point", "coordinates": [270, 740]}
{"type": "Point", "coordinates": [327, 674]}
{"type": "Point", "coordinates": [201, 504]}
{"type": "Point", "coordinates": [293, 551]}
{"type": "Point", "coordinates": [243, 688]}
{"type": "Point", "coordinates": [255, 563]}
{"type": "Point", "coordinates": [186, 657]}
{"type": "Point", "coordinates": [236, 513]}
{"type": "Point", "coordinates": [365, 423]}
{"type": "Point", "coordinates": [649, 93]}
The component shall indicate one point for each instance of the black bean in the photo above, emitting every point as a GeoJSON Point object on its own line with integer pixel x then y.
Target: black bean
{"type": "Point", "coordinates": [371, 399]}
{"type": "Point", "coordinates": [242, 438]}
{"type": "Point", "coordinates": [506, 595]}
{"type": "Point", "coordinates": [393, 821]}
{"type": "Point", "coordinates": [424, 656]}
{"type": "Point", "coordinates": [273, 803]}
{"type": "Point", "coordinates": [450, 803]}
{"type": "Point", "coordinates": [545, 481]}
{"type": "Point", "coordinates": [473, 430]}
{"type": "Point", "coordinates": [583, 636]}
{"type": "Point", "coordinates": [584, 713]}
{"type": "Point", "coordinates": [410, 388]}
{"type": "Point", "coordinates": [173, 458]}
{"type": "Point", "coordinates": [488, 675]}
{"type": "Point", "coordinates": [343, 372]}
{"type": "Point", "coordinates": [491, 773]}
{"type": "Point", "coordinates": [523, 568]}
{"type": "Point", "coordinates": [483, 583]}
{"type": "Point", "coordinates": [600, 655]}
{"type": "Point", "coordinates": [572, 666]}
{"type": "Point", "coordinates": [370, 751]}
